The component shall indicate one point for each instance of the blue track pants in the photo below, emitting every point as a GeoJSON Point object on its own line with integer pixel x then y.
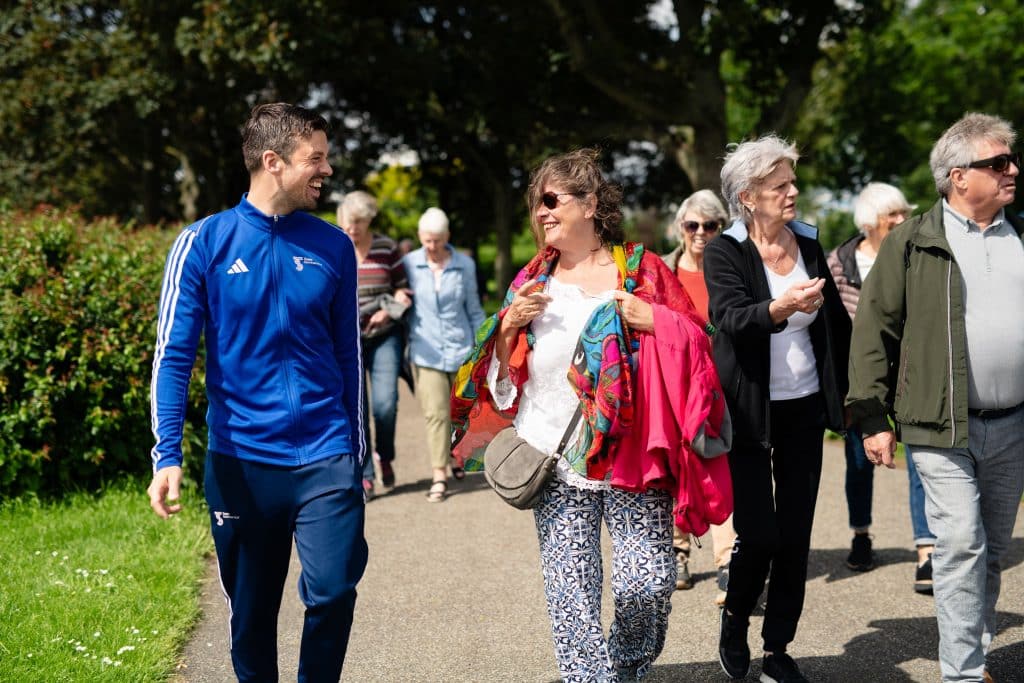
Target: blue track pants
{"type": "Point", "coordinates": [256, 511]}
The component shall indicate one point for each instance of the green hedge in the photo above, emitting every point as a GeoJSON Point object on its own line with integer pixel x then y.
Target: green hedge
{"type": "Point", "coordinates": [77, 326]}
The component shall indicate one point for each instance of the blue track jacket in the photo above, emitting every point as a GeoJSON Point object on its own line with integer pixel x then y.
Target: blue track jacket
{"type": "Point", "coordinates": [277, 298]}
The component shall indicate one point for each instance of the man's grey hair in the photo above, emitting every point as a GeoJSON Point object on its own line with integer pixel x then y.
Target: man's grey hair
{"type": "Point", "coordinates": [357, 205]}
{"type": "Point", "coordinates": [877, 200]}
{"type": "Point", "coordinates": [958, 145]}
{"type": "Point", "coordinates": [748, 165]}
{"type": "Point", "coordinates": [702, 202]}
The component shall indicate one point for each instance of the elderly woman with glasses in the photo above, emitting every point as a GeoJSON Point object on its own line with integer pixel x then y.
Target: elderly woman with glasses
{"type": "Point", "coordinates": [878, 209]}
{"type": "Point", "coordinates": [569, 344]}
{"type": "Point", "coordinates": [699, 219]}
{"type": "Point", "coordinates": [781, 348]}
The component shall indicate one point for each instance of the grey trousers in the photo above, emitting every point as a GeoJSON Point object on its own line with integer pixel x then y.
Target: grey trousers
{"type": "Point", "coordinates": [972, 497]}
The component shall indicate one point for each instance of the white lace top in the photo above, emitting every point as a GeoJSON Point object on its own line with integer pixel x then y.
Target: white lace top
{"type": "Point", "coordinates": [548, 402]}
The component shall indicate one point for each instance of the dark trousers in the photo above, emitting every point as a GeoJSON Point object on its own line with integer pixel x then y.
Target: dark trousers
{"type": "Point", "coordinates": [255, 512]}
{"type": "Point", "coordinates": [773, 527]}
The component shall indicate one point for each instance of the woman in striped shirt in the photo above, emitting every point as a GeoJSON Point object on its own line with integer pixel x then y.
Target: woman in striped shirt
{"type": "Point", "coordinates": [382, 302]}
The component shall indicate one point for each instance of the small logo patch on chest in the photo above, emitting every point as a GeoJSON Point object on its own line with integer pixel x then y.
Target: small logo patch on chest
{"type": "Point", "coordinates": [302, 261]}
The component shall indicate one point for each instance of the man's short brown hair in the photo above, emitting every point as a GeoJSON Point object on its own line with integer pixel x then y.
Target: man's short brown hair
{"type": "Point", "coordinates": [277, 126]}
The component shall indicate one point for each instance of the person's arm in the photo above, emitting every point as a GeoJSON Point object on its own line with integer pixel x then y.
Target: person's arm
{"type": "Point", "coordinates": [732, 304]}
{"type": "Point", "coordinates": [731, 295]}
{"type": "Point", "coordinates": [875, 349]}
{"type": "Point", "coordinates": [345, 319]}
{"type": "Point", "coordinates": [182, 313]}
{"type": "Point", "coordinates": [525, 306]}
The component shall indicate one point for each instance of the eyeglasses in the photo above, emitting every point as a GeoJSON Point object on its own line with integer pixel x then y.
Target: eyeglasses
{"type": "Point", "coordinates": [1000, 163]}
{"type": "Point", "coordinates": [550, 199]}
{"type": "Point", "coordinates": [709, 226]}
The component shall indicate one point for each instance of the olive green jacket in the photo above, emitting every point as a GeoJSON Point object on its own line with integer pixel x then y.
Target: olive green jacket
{"type": "Point", "coordinates": [908, 356]}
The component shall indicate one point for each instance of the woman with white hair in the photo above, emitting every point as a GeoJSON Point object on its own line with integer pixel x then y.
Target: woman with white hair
{"type": "Point", "coordinates": [446, 313]}
{"type": "Point", "coordinates": [878, 209]}
{"type": "Point", "coordinates": [781, 347]}
{"type": "Point", "coordinates": [699, 219]}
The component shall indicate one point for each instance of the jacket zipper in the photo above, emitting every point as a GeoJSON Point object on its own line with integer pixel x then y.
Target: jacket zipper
{"type": "Point", "coordinates": [949, 347]}
{"type": "Point", "coordinates": [281, 320]}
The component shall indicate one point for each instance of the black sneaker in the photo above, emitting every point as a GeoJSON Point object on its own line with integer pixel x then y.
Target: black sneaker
{"type": "Point", "coordinates": [923, 577]}
{"type": "Point", "coordinates": [861, 557]}
{"type": "Point", "coordinates": [683, 579]}
{"type": "Point", "coordinates": [780, 668]}
{"type": "Point", "coordinates": [733, 651]}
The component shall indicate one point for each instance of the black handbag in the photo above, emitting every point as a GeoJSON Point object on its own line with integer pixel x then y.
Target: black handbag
{"type": "Point", "coordinates": [517, 471]}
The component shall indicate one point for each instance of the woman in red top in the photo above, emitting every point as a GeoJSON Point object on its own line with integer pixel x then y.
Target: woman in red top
{"type": "Point", "coordinates": [700, 218]}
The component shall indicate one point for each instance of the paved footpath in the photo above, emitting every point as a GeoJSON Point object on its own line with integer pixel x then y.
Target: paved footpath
{"type": "Point", "coordinates": [453, 592]}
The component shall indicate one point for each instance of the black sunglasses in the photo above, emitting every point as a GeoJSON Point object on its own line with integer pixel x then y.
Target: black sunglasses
{"type": "Point", "coordinates": [709, 226]}
{"type": "Point", "coordinates": [550, 199]}
{"type": "Point", "coordinates": [1000, 163]}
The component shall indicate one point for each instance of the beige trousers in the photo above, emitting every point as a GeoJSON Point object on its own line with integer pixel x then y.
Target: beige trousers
{"type": "Point", "coordinates": [722, 537]}
{"type": "Point", "coordinates": [433, 389]}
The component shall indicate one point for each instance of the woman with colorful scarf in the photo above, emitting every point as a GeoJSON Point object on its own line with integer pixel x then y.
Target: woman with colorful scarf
{"type": "Point", "coordinates": [567, 336]}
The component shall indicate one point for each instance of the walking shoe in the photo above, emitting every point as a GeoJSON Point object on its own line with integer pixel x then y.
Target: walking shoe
{"type": "Point", "coordinates": [861, 557]}
{"type": "Point", "coordinates": [923, 577]}
{"type": "Point", "coordinates": [683, 579]}
{"type": "Point", "coordinates": [387, 474]}
{"type": "Point", "coordinates": [733, 651]}
{"type": "Point", "coordinates": [780, 668]}
{"type": "Point", "coordinates": [723, 585]}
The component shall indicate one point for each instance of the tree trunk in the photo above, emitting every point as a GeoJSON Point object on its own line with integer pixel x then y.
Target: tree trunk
{"type": "Point", "coordinates": [504, 218]}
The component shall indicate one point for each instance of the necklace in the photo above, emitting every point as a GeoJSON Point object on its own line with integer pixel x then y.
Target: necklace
{"type": "Point", "coordinates": [763, 249]}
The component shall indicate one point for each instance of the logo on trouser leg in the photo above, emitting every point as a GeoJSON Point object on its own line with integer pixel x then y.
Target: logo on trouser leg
{"type": "Point", "coordinates": [221, 516]}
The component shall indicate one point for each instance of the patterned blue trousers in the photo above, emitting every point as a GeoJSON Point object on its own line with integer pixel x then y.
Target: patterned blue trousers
{"type": "Point", "coordinates": [643, 578]}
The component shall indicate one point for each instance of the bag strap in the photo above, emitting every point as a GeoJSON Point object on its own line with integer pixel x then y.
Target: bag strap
{"type": "Point", "coordinates": [569, 430]}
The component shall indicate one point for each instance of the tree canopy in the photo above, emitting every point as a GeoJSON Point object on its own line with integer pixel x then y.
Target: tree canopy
{"type": "Point", "coordinates": [134, 108]}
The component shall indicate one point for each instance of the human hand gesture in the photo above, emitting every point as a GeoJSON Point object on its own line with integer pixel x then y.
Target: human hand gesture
{"type": "Point", "coordinates": [880, 448]}
{"type": "Point", "coordinates": [638, 314]}
{"type": "Point", "coordinates": [805, 296]}
{"type": "Point", "coordinates": [165, 490]}
{"type": "Point", "coordinates": [525, 306]}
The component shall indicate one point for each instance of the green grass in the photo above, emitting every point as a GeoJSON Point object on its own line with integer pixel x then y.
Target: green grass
{"type": "Point", "coordinates": [98, 588]}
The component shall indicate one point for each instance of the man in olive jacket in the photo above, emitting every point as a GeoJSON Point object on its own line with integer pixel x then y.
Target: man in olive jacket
{"type": "Point", "coordinates": [938, 346]}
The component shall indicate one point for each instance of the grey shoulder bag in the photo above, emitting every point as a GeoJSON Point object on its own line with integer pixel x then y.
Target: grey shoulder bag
{"type": "Point", "coordinates": [517, 471]}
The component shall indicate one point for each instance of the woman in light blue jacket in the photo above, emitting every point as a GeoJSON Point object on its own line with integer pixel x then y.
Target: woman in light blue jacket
{"type": "Point", "coordinates": [446, 313]}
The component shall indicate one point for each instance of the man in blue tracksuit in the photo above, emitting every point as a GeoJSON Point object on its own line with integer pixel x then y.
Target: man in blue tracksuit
{"type": "Point", "coordinates": [274, 289]}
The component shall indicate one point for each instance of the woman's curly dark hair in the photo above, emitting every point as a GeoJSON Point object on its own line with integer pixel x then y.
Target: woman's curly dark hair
{"type": "Point", "coordinates": [578, 173]}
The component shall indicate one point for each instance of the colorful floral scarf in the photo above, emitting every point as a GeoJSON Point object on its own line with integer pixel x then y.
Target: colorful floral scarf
{"type": "Point", "coordinates": [601, 374]}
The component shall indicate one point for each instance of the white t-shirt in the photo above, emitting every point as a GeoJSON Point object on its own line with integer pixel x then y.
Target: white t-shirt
{"type": "Point", "coordinates": [548, 402]}
{"type": "Point", "coordinates": [794, 373]}
{"type": "Point", "coordinates": [864, 263]}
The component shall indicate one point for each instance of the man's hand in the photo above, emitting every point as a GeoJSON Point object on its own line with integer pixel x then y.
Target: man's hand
{"type": "Point", "coordinates": [880, 448]}
{"type": "Point", "coordinates": [164, 491]}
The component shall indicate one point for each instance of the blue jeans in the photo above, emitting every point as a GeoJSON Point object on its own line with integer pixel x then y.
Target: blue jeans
{"type": "Point", "coordinates": [918, 520]}
{"type": "Point", "coordinates": [382, 357]}
{"type": "Point", "coordinates": [973, 495]}
{"type": "Point", "coordinates": [860, 475]}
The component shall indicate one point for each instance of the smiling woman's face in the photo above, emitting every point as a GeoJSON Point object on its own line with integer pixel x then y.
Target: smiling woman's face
{"type": "Point", "coordinates": [696, 240]}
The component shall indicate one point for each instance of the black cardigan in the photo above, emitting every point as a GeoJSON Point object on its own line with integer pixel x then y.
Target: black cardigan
{"type": "Point", "coordinates": [739, 296]}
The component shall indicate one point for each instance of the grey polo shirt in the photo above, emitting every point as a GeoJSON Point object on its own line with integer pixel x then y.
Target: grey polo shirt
{"type": "Point", "coordinates": [992, 268]}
